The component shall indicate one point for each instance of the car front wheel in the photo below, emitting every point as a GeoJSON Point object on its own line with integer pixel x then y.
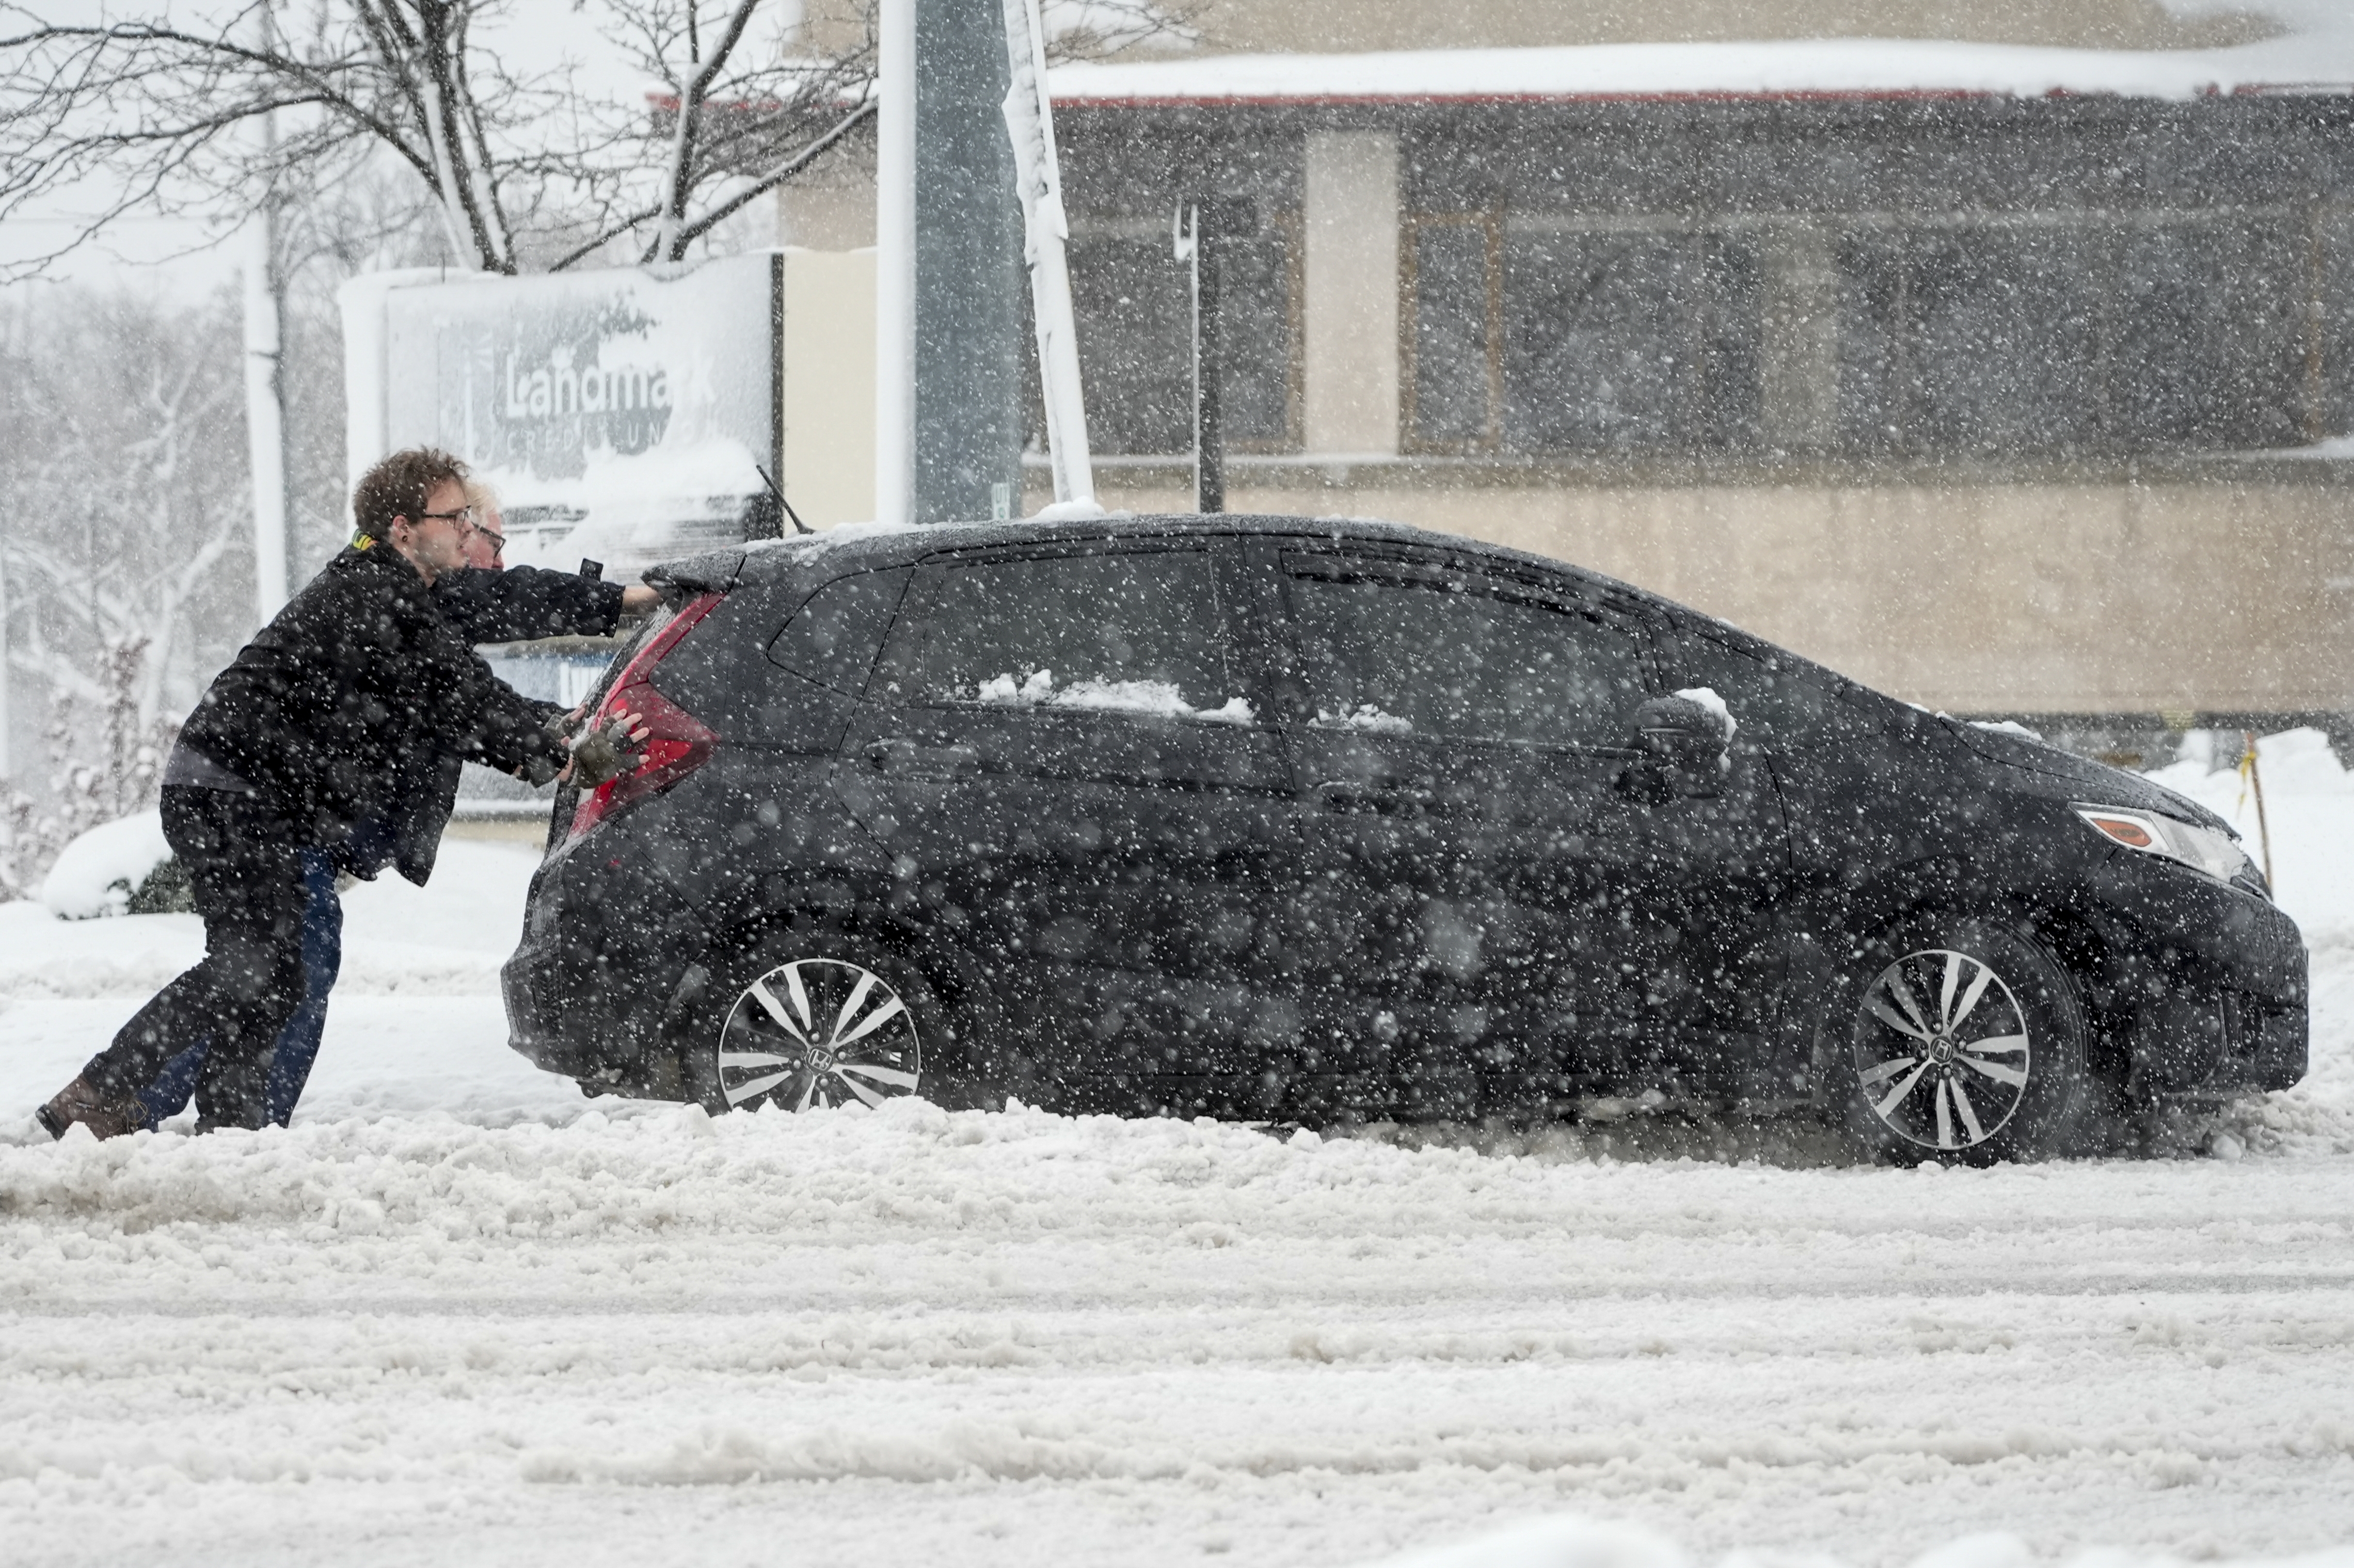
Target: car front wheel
{"type": "Point", "coordinates": [1961, 1040]}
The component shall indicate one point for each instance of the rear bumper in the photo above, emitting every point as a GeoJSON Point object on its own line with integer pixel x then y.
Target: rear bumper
{"type": "Point", "coordinates": [2205, 983]}
{"type": "Point", "coordinates": [604, 949]}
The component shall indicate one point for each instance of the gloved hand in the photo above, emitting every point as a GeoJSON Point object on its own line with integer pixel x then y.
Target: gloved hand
{"type": "Point", "coordinates": [605, 751]}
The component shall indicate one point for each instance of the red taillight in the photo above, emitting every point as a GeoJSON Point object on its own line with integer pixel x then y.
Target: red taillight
{"type": "Point", "coordinates": [676, 743]}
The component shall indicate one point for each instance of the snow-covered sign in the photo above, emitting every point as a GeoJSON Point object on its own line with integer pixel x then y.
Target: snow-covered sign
{"type": "Point", "coordinates": [622, 415]}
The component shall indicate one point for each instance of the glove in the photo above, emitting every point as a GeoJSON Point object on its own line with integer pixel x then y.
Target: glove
{"type": "Point", "coordinates": [603, 752]}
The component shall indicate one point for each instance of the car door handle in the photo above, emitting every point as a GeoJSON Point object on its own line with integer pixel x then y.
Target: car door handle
{"type": "Point", "coordinates": [897, 755]}
{"type": "Point", "coordinates": [1389, 800]}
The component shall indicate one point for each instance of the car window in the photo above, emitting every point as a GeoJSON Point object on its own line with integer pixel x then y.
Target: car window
{"type": "Point", "coordinates": [1773, 696]}
{"type": "Point", "coordinates": [1456, 655]}
{"type": "Point", "coordinates": [832, 638]}
{"type": "Point", "coordinates": [1136, 631]}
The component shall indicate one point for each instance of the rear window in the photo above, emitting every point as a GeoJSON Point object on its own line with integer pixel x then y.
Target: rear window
{"type": "Point", "coordinates": [1137, 631]}
{"type": "Point", "coordinates": [832, 638]}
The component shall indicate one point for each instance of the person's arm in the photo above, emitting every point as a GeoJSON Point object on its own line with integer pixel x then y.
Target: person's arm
{"type": "Point", "coordinates": [475, 715]}
{"type": "Point", "coordinates": [523, 603]}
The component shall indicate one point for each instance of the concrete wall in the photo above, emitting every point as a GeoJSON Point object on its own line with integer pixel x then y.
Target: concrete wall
{"type": "Point", "coordinates": [1975, 598]}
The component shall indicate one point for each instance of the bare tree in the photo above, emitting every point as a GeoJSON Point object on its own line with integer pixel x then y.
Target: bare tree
{"type": "Point", "coordinates": [522, 170]}
{"type": "Point", "coordinates": [124, 544]}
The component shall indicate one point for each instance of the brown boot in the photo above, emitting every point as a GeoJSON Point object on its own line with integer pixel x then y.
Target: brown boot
{"type": "Point", "coordinates": [81, 1101]}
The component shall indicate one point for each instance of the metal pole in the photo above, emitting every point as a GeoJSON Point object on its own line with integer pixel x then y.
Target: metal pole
{"type": "Point", "coordinates": [894, 264]}
{"type": "Point", "coordinates": [265, 411]}
{"type": "Point", "coordinates": [1199, 223]}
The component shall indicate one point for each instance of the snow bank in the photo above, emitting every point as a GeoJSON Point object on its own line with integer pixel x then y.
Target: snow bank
{"type": "Point", "coordinates": [448, 938]}
{"type": "Point", "coordinates": [97, 874]}
{"type": "Point", "coordinates": [2310, 808]}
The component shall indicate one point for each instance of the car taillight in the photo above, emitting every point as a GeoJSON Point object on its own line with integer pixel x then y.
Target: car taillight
{"type": "Point", "coordinates": [676, 743]}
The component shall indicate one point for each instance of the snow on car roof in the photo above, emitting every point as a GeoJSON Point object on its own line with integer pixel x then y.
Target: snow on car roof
{"type": "Point", "coordinates": [2319, 61]}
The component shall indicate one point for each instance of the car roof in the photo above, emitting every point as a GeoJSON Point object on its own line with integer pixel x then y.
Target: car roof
{"type": "Point", "coordinates": [855, 547]}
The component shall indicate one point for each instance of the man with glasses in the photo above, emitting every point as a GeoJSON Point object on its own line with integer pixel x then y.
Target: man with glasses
{"type": "Point", "coordinates": [298, 763]}
{"type": "Point", "coordinates": [484, 602]}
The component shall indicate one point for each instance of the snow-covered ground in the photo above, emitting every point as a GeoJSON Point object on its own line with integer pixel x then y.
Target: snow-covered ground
{"type": "Point", "coordinates": [458, 1314]}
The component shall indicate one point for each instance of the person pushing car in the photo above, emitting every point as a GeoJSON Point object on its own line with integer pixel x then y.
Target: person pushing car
{"type": "Point", "coordinates": [336, 712]}
{"type": "Point", "coordinates": [484, 600]}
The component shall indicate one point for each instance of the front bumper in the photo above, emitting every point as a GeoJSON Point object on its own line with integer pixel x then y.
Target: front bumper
{"type": "Point", "coordinates": [2205, 984]}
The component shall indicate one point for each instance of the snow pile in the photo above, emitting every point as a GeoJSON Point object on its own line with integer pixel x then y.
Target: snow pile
{"type": "Point", "coordinates": [97, 874]}
{"type": "Point", "coordinates": [2308, 808]}
{"type": "Point", "coordinates": [1153, 699]}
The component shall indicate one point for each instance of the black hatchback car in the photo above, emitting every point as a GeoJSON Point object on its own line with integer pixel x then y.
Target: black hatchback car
{"type": "Point", "coordinates": [1320, 822]}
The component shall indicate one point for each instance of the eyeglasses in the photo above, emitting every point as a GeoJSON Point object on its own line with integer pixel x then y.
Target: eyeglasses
{"type": "Point", "coordinates": [464, 518]}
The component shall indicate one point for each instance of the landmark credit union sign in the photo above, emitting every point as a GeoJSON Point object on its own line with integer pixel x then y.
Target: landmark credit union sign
{"type": "Point", "coordinates": [622, 415]}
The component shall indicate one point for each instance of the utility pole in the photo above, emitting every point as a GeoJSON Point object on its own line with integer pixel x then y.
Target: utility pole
{"type": "Point", "coordinates": [265, 410]}
{"type": "Point", "coordinates": [948, 332]}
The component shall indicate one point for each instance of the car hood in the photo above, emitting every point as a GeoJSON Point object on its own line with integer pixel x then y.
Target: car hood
{"type": "Point", "coordinates": [2095, 783]}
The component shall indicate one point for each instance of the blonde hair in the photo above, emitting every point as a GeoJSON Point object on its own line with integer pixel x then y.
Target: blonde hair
{"type": "Point", "coordinates": [482, 498]}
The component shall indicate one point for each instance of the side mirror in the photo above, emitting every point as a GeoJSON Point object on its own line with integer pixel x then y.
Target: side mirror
{"type": "Point", "coordinates": [1686, 739]}
{"type": "Point", "coordinates": [1683, 733]}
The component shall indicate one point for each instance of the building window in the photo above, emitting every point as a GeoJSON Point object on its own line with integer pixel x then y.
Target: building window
{"type": "Point", "coordinates": [1133, 311]}
{"type": "Point", "coordinates": [2052, 337]}
{"type": "Point", "coordinates": [1454, 375]}
{"type": "Point", "coordinates": [1544, 338]}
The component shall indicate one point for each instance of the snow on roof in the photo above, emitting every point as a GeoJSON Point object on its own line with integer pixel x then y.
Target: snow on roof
{"type": "Point", "coordinates": [1838, 68]}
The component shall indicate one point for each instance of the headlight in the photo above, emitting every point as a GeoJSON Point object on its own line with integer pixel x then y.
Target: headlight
{"type": "Point", "coordinates": [2201, 849]}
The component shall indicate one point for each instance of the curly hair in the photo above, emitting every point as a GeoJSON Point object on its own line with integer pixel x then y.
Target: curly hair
{"type": "Point", "coordinates": [397, 487]}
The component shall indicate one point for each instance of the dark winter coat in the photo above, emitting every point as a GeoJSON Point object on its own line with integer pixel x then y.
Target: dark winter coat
{"type": "Point", "coordinates": [522, 603]}
{"type": "Point", "coordinates": [343, 704]}
{"type": "Point", "coordinates": [516, 605]}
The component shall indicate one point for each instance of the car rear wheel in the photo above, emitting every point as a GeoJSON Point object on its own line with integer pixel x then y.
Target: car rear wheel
{"type": "Point", "coordinates": [817, 1026]}
{"type": "Point", "coordinates": [1961, 1040]}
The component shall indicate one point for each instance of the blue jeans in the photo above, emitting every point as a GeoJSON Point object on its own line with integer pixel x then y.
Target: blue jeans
{"type": "Point", "coordinates": [298, 1042]}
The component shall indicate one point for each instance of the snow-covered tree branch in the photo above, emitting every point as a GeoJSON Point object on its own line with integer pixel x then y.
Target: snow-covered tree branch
{"type": "Point", "coordinates": [525, 169]}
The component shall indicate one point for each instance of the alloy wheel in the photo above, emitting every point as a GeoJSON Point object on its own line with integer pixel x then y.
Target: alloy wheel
{"type": "Point", "coordinates": [818, 1031]}
{"type": "Point", "coordinates": [1941, 1049]}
